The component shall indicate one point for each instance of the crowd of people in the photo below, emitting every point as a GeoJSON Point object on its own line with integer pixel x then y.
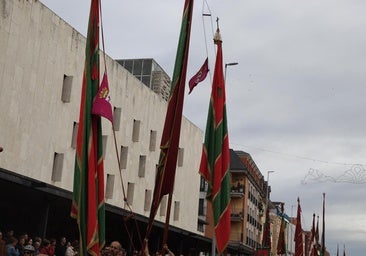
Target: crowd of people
{"type": "Point", "coordinates": [23, 245]}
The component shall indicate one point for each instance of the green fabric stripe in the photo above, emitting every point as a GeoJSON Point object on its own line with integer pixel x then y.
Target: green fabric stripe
{"type": "Point", "coordinates": [222, 199]}
{"type": "Point", "coordinates": [181, 49]}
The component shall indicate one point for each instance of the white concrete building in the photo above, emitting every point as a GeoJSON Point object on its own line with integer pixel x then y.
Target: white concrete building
{"type": "Point", "coordinates": [41, 66]}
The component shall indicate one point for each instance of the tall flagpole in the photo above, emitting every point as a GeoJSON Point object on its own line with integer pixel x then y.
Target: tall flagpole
{"type": "Point", "coordinates": [215, 158]}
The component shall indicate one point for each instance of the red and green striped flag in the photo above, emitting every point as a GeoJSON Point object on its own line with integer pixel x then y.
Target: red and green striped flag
{"type": "Point", "coordinates": [281, 244]}
{"type": "Point", "coordinates": [299, 247]}
{"type": "Point", "coordinates": [215, 160]}
{"type": "Point", "coordinates": [88, 205]}
{"type": "Point", "coordinates": [164, 181]}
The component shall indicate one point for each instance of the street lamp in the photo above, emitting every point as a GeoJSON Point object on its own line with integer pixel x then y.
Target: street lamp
{"type": "Point", "coordinates": [229, 64]}
{"type": "Point", "coordinates": [267, 191]}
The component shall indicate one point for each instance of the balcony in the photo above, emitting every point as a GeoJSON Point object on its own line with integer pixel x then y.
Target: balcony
{"type": "Point", "coordinates": [237, 191]}
{"type": "Point", "coordinates": [237, 215]}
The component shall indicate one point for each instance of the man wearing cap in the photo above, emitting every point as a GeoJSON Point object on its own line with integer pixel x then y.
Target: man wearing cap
{"type": "Point", "coordinates": [28, 250]}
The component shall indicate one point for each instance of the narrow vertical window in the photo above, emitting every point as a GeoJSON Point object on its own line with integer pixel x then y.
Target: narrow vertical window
{"type": "Point", "coordinates": [123, 157]}
{"type": "Point", "coordinates": [104, 141]}
{"type": "Point", "coordinates": [74, 134]}
{"type": "Point", "coordinates": [58, 162]}
{"type": "Point", "coordinates": [130, 192]}
{"type": "Point", "coordinates": [163, 205]}
{"type": "Point", "coordinates": [180, 156]}
{"type": "Point", "coordinates": [203, 184]}
{"type": "Point", "coordinates": [152, 146]}
{"type": "Point", "coordinates": [147, 203]}
{"type": "Point", "coordinates": [136, 130]}
{"type": "Point", "coordinates": [201, 204]}
{"type": "Point", "coordinates": [109, 186]}
{"type": "Point", "coordinates": [116, 118]}
{"type": "Point", "coordinates": [176, 210]}
{"type": "Point", "coordinates": [66, 89]}
{"type": "Point", "coordinates": [142, 166]}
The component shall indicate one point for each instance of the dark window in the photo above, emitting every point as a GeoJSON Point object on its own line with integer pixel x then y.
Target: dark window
{"type": "Point", "coordinates": [201, 207]}
{"type": "Point", "coordinates": [146, 69]}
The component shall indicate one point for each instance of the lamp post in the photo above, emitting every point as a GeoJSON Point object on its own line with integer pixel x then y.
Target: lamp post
{"type": "Point", "coordinates": [229, 64]}
{"type": "Point", "coordinates": [267, 192]}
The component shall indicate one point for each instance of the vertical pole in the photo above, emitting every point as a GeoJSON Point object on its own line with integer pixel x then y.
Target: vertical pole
{"type": "Point", "coordinates": [166, 228]}
{"type": "Point", "coordinates": [213, 247]}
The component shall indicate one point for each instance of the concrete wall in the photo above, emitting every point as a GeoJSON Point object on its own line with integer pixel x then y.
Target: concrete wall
{"type": "Point", "coordinates": [37, 49]}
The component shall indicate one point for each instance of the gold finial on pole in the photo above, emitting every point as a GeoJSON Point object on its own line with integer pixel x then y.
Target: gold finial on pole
{"type": "Point", "coordinates": [217, 36]}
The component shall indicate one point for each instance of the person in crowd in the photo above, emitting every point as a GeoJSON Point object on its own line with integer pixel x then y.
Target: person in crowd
{"type": "Point", "coordinates": [9, 236]}
{"type": "Point", "coordinates": [10, 247]}
{"type": "Point", "coordinates": [45, 247]}
{"type": "Point", "coordinates": [26, 238]}
{"type": "Point", "coordinates": [52, 246]}
{"type": "Point", "coordinates": [20, 245]}
{"type": "Point", "coordinates": [60, 248]}
{"type": "Point", "coordinates": [115, 248]}
{"type": "Point", "coordinates": [28, 250]}
{"type": "Point", "coordinates": [37, 239]}
{"type": "Point", "coordinates": [29, 241]}
{"type": "Point", "coordinates": [37, 247]}
{"type": "Point", "coordinates": [106, 251]}
{"type": "Point", "coordinates": [2, 245]}
{"type": "Point", "coordinates": [72, 249]}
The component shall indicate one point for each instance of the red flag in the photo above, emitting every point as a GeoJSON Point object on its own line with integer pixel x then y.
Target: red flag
{"type": "Point", "coordinates": [281, 245]}
{"type": "Point", "coordinates": [164, 180]}
{"type": "Point", "coordinates": [199, 76]}
{"type": "Point", "coordinates": [101, 104]}
{"type": "Point", "coordinates": [88, 205]}
{"type": "Point", "coordinates": [299, 249]}
{"type": "Point", "coordinates": [215, 160]}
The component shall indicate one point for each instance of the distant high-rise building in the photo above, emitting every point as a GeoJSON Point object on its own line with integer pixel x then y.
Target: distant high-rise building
{"type": "Point", "coordinates": [149, 72]}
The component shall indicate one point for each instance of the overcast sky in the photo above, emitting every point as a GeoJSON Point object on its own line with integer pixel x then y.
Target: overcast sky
{"type": "Point", "coordinates": [295, 102]}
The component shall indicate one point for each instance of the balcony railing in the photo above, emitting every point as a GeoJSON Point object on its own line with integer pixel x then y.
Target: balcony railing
{"type": "Point", "coordinates": [237, 190]}
{"type": "Point", "coordinates": [237, 215]}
